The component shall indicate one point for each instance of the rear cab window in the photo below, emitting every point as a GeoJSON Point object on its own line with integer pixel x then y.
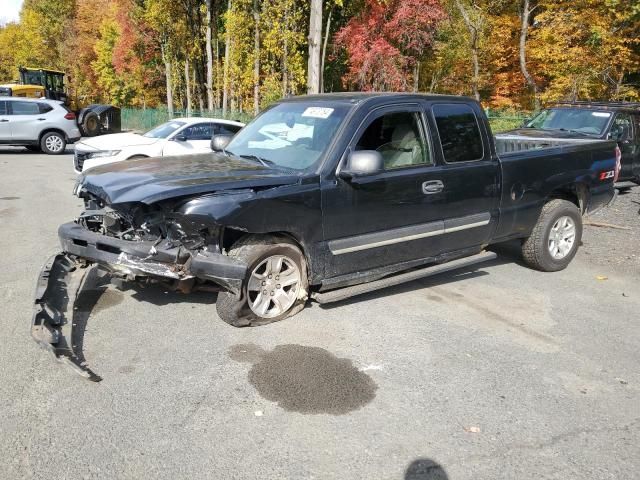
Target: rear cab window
{"type": "Point", "coordinates": [3, 107]}
{"type": "Point", "coordinates": [459, 132]}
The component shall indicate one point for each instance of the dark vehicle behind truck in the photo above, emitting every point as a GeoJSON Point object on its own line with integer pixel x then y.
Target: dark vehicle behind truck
{"type": "Point", "coordinates": [582, 122]}
{"type": "Point", "coordinates": [323, 197]}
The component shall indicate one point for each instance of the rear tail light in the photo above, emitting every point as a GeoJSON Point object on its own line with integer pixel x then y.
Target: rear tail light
{"type": "Point", "coordinates": [70, 116]}
{"type": "Point", "coordinates": [618, 163]}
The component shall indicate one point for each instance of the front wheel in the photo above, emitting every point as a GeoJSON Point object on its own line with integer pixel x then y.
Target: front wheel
{"type": "Point", "coordinates": [276, 285]}
{"type": "Point", "coordinates": [53, 143]}
{"type": "Point", "coordinates": [555, 237]}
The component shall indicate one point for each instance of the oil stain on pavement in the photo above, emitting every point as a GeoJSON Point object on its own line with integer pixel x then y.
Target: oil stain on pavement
{"type": "Point", "coordinates": [307, 380]}
{"type": "Point", "coordinates": [9, 198]}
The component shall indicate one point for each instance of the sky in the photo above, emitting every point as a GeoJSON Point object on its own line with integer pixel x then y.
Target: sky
{"type": "Point", "coordinates": [9, 10]}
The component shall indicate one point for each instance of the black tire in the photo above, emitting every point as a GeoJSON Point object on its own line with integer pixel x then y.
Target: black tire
{"type": "Point", "coordinates": [33, 148]}
{"type": "Point", "coordinates": [535, 249]}
{"type": "Point", "coordinates": [253, 250]}
{"type": "Point", "coordinates": [90, 124]}
{"type": "Point", "coordinates": [53, 143]}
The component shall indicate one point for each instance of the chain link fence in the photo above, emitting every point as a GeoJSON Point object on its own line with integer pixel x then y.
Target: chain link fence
{"type": "Point", "coordinates": [503, 120]}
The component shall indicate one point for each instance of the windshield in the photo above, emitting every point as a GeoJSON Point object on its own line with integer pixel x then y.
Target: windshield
{"type": "Point", "coordinates": [589, 122]}
{"type": "Point", "coordinates": [290, 135]}
{"type": "Point", "coordinates": [164, 130]}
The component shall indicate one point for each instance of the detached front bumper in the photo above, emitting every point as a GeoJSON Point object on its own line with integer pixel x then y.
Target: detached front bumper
{"type": "Point", "coordinates": [55, 315]}
{"type": "Point", "coordinates": [88, 262]}
{"type": "Point", "coordinates": [150, 259]}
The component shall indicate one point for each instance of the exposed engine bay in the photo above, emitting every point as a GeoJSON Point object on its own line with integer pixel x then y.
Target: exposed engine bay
{"type": "Point", "coordinates": [140, 222]}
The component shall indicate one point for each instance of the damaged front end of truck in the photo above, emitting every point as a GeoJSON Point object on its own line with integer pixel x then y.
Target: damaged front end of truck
{"type": "Point", "coordinates": [125, 242]}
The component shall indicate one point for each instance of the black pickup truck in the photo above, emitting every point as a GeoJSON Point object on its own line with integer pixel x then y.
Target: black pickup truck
{"type": "Point", "coordinates": [323, 197]}
{"type": "Point", "coordinates": [583, 122]}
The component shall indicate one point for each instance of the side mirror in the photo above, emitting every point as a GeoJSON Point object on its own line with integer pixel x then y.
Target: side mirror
{"type": "Point", "coordinates": [180, 138]}
{"type": "Point", "coordinates": [220, 142]}
{"type": "Point", "coordinates": [362, 162]}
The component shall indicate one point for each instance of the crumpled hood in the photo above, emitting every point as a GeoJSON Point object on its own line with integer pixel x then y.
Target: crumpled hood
{"type": "Point", "coordinates": [115, 141]}
{"type": "Point", "coordinates": [540, 133]}
{"type": "Point", "coordinates": [149, 180]}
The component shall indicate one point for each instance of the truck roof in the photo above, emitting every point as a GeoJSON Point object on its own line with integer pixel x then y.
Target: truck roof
{"type": "Point", "coordinates": [359, 97]}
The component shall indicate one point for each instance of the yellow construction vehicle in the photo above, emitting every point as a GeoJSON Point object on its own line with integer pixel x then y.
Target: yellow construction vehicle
{"type": "Point", "coordinates": [46, 83]}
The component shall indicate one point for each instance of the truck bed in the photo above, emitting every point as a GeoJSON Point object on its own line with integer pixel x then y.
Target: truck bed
{"type": "Point", "coordinates": [526, 179]}
{"type": "Point", "coordinates": [506, 144]}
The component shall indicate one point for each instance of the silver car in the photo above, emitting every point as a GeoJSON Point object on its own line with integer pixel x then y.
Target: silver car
{"type": "Point", "coordinates": [38, 124]}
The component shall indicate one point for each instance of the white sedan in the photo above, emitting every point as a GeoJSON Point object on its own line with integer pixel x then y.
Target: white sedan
{"type": "Point", "coordinates": [181, 136]}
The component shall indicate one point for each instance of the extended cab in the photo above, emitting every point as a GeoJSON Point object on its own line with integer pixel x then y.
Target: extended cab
{"type": "Point", "coordinates": [324, 197]}
{"type": "Point", "coordinates": [585, 121]}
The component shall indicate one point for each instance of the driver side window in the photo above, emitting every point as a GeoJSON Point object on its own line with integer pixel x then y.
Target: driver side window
{"type": "Point", "coordinates": [622, 130]}
{"type": "Point", "coordinates": [398, 137]}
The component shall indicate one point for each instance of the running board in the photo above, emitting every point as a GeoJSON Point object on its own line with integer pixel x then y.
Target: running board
{"type": "Point", "coordinates": [347, 292]}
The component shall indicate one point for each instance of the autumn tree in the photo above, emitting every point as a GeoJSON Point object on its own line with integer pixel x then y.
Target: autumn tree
{"type": "Point", "coordinates": [245, 54]}
{"type": "Point", "coordinates": [586, 49]}
{"type": "Point", "coordinates": [386, 40]}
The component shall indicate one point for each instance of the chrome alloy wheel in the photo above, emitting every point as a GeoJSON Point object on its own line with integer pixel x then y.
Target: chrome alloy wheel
{"type": "Point", "coordinates": [562, 237]}
{"type": "Point", "coordinates": [273, 286]}
{"type": "Point", "coordinates": [54, 143]}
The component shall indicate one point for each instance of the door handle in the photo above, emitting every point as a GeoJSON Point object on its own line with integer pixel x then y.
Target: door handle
{"type": "Point", "coordinates": [41, 119]}
{"type": "Point", "coordinates": [432, 186]}
{"type": "Point", "coordinates": [4, 120]}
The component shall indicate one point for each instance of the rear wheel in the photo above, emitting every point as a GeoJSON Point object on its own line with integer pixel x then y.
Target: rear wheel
{"type": "Point", "coordinates": [276, 286]}
{"type": "Point", "coordinates": [90, 124]}
{"type": "Point", "coordinates": [555, 237]}
{"type": "Point", "coordinates": [53, 143]}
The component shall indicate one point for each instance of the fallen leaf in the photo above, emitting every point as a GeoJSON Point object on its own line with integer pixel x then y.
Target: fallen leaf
{"type": "Point", "coordinates": [472, 429]}
{"type": "Point", "coordinates": [602, 277]}
{"type": "Point", "coordinates": [622, 381]}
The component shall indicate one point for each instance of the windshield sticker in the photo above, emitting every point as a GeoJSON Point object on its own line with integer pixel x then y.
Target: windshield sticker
{"type": "Point", "coordinates": [317, 112]}
{"type": "Point", "coordinates": [601, 114]}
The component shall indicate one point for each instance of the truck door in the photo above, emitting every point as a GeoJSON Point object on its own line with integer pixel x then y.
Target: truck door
{"type": "Point", "coordinates": [622, 130]}
{"type": "Point", "coordinates": [392, 216]}
{"type": "Point", "coordinates": [469, 174]}
{"type": "Point", "coordinates": [5, 123]}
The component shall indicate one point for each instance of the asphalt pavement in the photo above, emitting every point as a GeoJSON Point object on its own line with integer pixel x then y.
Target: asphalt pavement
{"type": "Point", "coordinates": [497, 372]}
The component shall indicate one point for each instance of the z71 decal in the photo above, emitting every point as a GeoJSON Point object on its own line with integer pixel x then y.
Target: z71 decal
{"type": "Point", "coordinates": [606, 175]}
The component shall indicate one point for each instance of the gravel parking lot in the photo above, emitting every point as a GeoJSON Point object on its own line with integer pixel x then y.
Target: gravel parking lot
{"type": "Point", "coordinates": [499, 372]}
